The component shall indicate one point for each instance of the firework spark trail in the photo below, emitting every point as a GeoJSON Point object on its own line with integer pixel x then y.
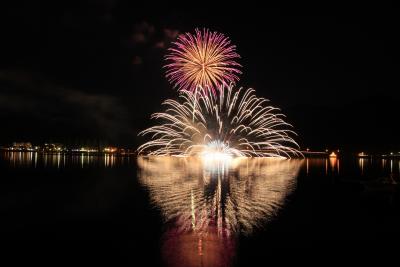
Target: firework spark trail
{"type": "Point", "coordinates": [236, 123]}
{"type": "Point", "coordinates": [205, 59]}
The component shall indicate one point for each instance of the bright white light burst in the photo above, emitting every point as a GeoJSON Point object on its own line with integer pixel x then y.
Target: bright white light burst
{"type": "Point", "coordinates": [227, 124]}
{"type": "Point", "coordinates": [217, 151]}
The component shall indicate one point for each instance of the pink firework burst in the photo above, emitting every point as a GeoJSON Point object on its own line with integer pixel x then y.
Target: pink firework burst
{"type": "Point", "coordinates": [205, 59]}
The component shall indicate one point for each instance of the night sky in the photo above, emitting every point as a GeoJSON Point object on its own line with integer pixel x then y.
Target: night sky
{"type": "Point", "coordinates": [91, 71]}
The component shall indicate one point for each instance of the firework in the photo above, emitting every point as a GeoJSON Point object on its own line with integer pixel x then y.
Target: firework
{"type": "Point", "coordinates": [205, 59]}
{"type": "Point", "coordinates": [230, 123]}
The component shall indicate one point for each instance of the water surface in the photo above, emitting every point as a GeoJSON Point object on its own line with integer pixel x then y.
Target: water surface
{"type": "Point", "coordinates": [120, 211]}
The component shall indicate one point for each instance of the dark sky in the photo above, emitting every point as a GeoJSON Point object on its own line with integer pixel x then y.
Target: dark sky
{"type": "Point", "coordinates": [89, 71]}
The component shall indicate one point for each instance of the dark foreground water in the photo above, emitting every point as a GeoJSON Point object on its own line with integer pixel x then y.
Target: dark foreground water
{"type": "Point", "coordinates": [123, 211]}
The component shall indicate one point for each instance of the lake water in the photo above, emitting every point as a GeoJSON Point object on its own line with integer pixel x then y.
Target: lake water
{"type": "Point", "coordinates": [125, 211]}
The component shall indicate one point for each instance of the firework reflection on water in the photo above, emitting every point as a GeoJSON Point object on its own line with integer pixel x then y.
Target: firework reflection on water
{"type": "Point", "coordinates": [205, 207]}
